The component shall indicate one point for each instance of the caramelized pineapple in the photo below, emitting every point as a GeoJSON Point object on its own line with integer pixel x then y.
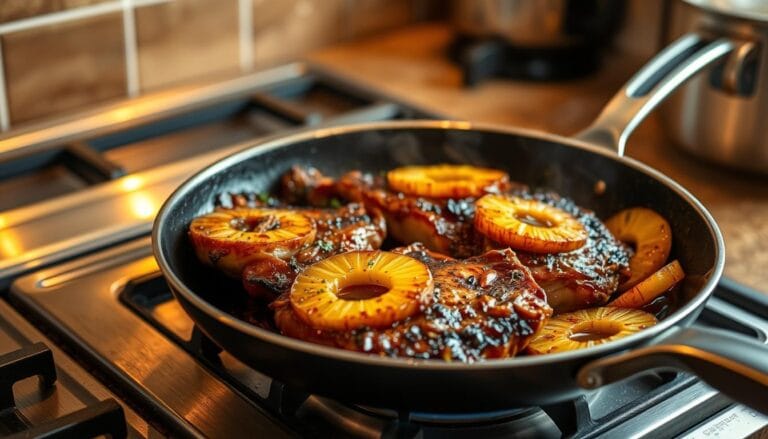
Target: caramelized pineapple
{"type": "Point", "coordinates": [588, 327]}
{"type": "Point", "coordinates": [361, 289]}
{"type": "Point", "coordinates": [652, 287]}
{"type": "Point", "coordinates": [651, 236]}
{"type": "Point", "coordinates": [528, 225]}
{"type": "Point", "coordinates": [447, 181]}
{"type": "Point", "coordinates": [229, 239]}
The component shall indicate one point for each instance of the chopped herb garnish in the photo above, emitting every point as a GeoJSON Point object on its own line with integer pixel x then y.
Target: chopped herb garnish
{"type": "Point", "coordinates": [325, 245]}
{"type": "Point", "coordinates": [263, 197]}
{"type": "Point", "coordinates": [335, 203]}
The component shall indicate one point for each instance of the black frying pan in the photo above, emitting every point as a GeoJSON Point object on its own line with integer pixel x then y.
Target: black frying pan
{"type": "Point", "coordinates": [736, 365]}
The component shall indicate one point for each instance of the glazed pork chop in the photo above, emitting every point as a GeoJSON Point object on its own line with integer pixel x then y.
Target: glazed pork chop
{"type": "Point", "coordinates": [573, 280]}
{"type": "Point", "coordinates": [339, 230]}
{"type": "Point", "coordinates": [442, 225]}
{"type": "Point", "coordinates": [584, 277]}
{"type": "Point", "coordinates": [487, 306]}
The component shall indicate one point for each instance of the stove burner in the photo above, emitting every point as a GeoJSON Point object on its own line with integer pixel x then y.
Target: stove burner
{"type": "Point", "coordinates": [481, 58]}
{"type": "Point", "coordinates": [455, 419]}
{"type": "Point", "coordinates": [520, 423]}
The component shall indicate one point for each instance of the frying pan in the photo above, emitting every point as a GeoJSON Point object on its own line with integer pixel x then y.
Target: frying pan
{"type": "Point", "coordinates": [571, 166]}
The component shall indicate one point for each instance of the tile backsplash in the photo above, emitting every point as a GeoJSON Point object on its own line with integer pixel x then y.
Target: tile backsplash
{"type": "Point", "coordinates": [13, 10]}
{"type": "Point", "coordinates": [186, 39]}
{"type": "Point", "coordinates": [53, 69]}
{"type": "Point", "coordinates": [61, 56]}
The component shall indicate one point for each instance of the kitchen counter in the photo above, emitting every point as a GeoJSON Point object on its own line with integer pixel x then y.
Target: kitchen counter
{"type": "Point", "coordinates": [411, 64]}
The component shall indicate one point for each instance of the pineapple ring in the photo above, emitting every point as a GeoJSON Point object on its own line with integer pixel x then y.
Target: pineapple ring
{"type": "Point", "coordinates": [446, 181]}
{"type": "Point", "coordinates": [230, 239]}
{"type": "Point", "coordinates": [652, 287]}
{"type": "Point", "coordinates": [652, 237]}
{"type": "Point", "coordinates": [588, 327]}
{"type": "Point", "coordinates": [528, 225]}
{"type": "Point", "coordinates": [361, 288]}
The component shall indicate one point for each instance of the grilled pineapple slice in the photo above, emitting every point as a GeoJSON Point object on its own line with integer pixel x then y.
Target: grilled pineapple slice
{"type": "Point", "coordinates": [446, 181]}
{"type": "Point", "coordinates": [652, 287]}
{"type": "Point", "coordinates": [361, 288]}
{"type": "Point", "coordinates": [651, 235]}
{"type": "Point", "coordinates": [588, 327]}
{"type": "Point", "coordinates": [231, 238]}
{"type": "Point", "coordinates": [528, 225]}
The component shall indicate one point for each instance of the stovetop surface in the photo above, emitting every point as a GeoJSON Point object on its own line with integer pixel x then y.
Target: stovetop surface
{"type": "Point", "coordinates": [84, 184]}
{"type": "Point", "coordinates": [114, 309]}
{"type": "Point", "coordinates": [288, 98]}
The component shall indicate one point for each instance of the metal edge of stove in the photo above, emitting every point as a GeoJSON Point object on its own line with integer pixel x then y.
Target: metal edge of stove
{"type": "Point", "coordinates": [154, 372]}
{"type": "Point", "coordinates": [149, 108]}
{"type": "Point", "coordinates": [69, 372]}
{"type": "Point", "coordinates": [709, 405]}
{"type": "Point", "coordinates": [122, 209]}
{"type": "Point", "coordinates": [93, 218]}
{"type": "Point", "coordinates": [68, 223]}
{"type": "Point", "coordinates": [109, 271]}
{"type": "Point", "coordinates": [745, 297]}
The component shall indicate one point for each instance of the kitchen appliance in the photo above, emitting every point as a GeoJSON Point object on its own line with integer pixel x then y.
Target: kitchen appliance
{"type": "Point", "coordinates": [720, 115]}
{"type": "Point", "coordinates": [78, 266]}
{"type": "Point", "coordinates": [532, 39]}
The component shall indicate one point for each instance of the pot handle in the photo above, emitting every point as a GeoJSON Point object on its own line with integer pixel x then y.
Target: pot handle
{"type": "Point", "coordinates": [650, 86]}
{"type": "Point", "coordinates": [732, 363]}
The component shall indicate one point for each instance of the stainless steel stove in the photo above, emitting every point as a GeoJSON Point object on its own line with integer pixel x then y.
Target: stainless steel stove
{"type": "Point", "coordinates": [76, 264]}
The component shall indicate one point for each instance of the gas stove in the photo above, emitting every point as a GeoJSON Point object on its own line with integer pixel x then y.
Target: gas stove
{"type": "Point", "coordinates": [79, 282]}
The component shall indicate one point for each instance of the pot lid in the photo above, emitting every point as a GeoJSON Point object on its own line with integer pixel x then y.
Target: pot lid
{"type": "Point", "coordinates": [749, 9]}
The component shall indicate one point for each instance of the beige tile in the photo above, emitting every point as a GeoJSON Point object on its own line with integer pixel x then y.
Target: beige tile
{"type": "Point", "coordinates": [365, 17]}
{"type": "Point", "coordinates": [11, 10]}
{"type": "Point", "coordinates": [58, 68]}
{"type": "Point", "coordinates": [186, 40]}
{"type": "Point", "coordinates": [286, 30]}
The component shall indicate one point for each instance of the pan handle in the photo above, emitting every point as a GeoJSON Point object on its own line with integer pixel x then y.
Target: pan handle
{"type": "Point", "coordinates": [650, 86]}
{"type": "Point", "coordinates": [732, 363]}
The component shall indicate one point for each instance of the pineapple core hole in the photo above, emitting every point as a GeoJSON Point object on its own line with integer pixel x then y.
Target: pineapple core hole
{"type": "Point", "coordinates": [362, 287]}
{"type": "Point", "coordinates": [536, 221]}
{"type": "Point", "coordinates": [361, 292]}
{"type": "Point", "coordinates": [450, 177]}
{"type": "Point", "coordinates": [594, 330]}
{"type": "Point", "coordinates": [258, 224]}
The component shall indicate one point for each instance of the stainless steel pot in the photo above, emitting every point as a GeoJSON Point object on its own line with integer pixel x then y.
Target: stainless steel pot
{"type": "Point", "coordinates": [538, 23]}
{"type": "Point", "coordinates": [722, 114]}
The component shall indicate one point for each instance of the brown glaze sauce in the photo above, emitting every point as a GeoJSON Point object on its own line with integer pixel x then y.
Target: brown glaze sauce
{"type": "Point", "coordinates": [255, 223]}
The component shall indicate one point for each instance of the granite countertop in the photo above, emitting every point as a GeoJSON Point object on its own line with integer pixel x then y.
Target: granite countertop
{"type": "Point", "coordinates": [411, 64]}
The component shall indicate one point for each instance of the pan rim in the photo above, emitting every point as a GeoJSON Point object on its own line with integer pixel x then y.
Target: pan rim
{"type": "Point", "coordinates": [265, 145]}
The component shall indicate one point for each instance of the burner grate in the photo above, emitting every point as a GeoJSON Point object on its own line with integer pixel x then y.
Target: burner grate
{"type": "Point", "coordinates": [37, 172]}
